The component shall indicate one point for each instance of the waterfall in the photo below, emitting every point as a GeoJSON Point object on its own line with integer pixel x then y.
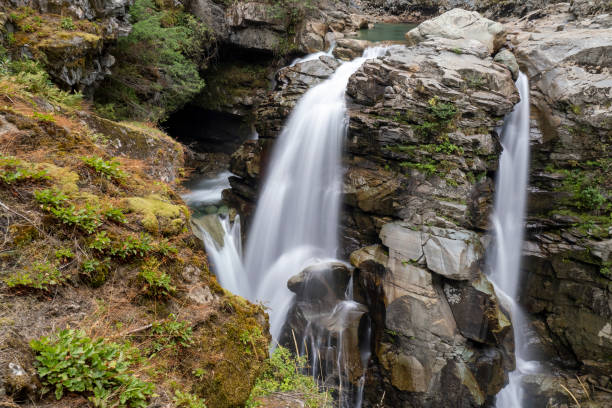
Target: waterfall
{"type": "Point", "coordinates": [296, 223]}
{"type": "Point", "coordinates": [296, 218]}
{"type": "Point", "coordinates": [508, 224]}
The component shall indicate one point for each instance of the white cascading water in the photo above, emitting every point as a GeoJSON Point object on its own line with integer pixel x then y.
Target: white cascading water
{"type": "Point", "coordinates": [508, 224]}
{"type": "Point", "coordinates": [207, 191]}
{"type": "Point", "coordinates": [296, 218]}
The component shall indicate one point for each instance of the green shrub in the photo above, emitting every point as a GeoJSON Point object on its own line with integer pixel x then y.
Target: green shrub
{"type": "Point", "coordinates": [442, 111]}
{"type": "Point", "coordinates": [585, 191]}
{"type": "Point", "coordinates": [115, 214]}
{"type": "Point", "coordinates": [187, 400]}
{"type": "Point", "coordinates": [13, 170]}
{"type": "Point", "coordinates": [41, 276]}
{"type": "Point", "coordinates": [283, 373]}
{"type": "Point", "coordinates": [134, 246]}
{"type": "Point", "coordinates": [64, 254]}
{"type": "Point", "coordinates": [74, 362]}
{"type": "Point", "coordinates": [101, 242]}
{"type": "Point", "coordinates": [165, 249]}
{"type": "Point", "coordinates": [67, 24]}
{"type": "Point", "coordinates": [158, 64]}
{"type": "Point", "coordinates": [157, 283]}
{"type": "Point", "coordinates": [171, 333]}
{"type": "Point", "coordinates": [107, 168]}
{"type": "Point", "coordinates": [50, 198]}
{"type": "Point", "coordinates": [55, 202]}
{"type": "Point", "coordinates": [427, 168]}
{"type": "Point", "coordinates": [96, 271]}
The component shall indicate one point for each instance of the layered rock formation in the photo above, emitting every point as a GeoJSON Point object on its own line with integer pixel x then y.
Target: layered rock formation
{"type": "Point", "coordinates": [71, 38]}
{"type": "Point", "coordinates": [418, 189]}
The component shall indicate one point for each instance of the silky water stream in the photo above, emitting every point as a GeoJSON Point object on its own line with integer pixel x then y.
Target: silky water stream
{"type": "Point", "coordinates": [508, 226]}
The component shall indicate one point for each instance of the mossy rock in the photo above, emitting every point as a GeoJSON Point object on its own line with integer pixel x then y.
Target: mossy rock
{"type": "Point", "coordinates": [162, 154]}
{"type": "Point", "coordinates": [158, 215]}
{"type": "Point", "coordinates": [232, 355]}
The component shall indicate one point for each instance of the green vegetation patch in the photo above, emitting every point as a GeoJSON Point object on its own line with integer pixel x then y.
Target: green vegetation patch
{"type": "Point", "coordinates": [14, 170]}
{"type": "Point", "coordinates": [158, 64]}
{"type": "Point", "coordinates": [283, 373]}
{"type": "Point", "coordinates": [107, 168]}
{"type": "Point", "coordinates": [73, 362]}
{"type": "Point", "coordinates": [41, 276]}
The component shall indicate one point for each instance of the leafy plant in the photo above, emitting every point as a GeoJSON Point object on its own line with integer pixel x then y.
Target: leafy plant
{"type": "Point", "coordinates": [14, 170]}
{"type": "Point", "coordinates": [50, 198]}
{"type": "Point", "coordinates": [157, 283]}
{"type": "Point", "coordinates": [44, 117]}
{"type": "Point", "coordinates": [55, 202]}
{"type": "Point", "coordinates": [41, 276]}
{"type": "Point", "coordinates": [96, 270]}
{"type": "Point", "coordinates": [74, 362]}
{"type": "Point", "coordinates": [187, 400]}
{"type": "Point", "coordinates": [107, 168]}
{"type": "Point", "coordinates": [283, 373]}
{"type": "Point", "coordinates": [133, 246]}
{"type": "Point", "coordinates": [442, 111]}
{"type": "Point", "coordinates": [67, 24]}
{"type": "Point", "coordinates": [248, 338]}
{"type": "Point", "coordinates": [171, 333]}
{"type": "Point", "coordinates": [101, 242]}
{"type": "Point", "coordinates": [427, 168]}
{"type": "Point", "coordinates": [115, 214]}
{"type": "Point", "coordinates": [165, 249]}
{"type": "Point", "coordinates": [64, 254]}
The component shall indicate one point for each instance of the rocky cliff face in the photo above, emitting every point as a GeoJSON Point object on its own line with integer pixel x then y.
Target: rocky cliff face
{"type": "Point", "coordinates": [567, 254]}
{"type": "Point", "coordinates": [418, 188]}
{"type": "Point", "coordinates": [70, 38]}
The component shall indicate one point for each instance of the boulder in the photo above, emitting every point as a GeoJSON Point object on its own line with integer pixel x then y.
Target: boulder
{"type": "Point", "coordinates": [316, 281]}
{"type": "Point", "coordinates": [476, 310]}
{"type": "Point", "coordinates": [163, 156]}
{"type": "Point", "coordinates": [507, 58]}
{"type": "Point", "coordinates": [460, 24]}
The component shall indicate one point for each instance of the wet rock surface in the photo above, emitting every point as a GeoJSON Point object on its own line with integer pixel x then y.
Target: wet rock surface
{"type": "Point", "coordinates": [567, 284]}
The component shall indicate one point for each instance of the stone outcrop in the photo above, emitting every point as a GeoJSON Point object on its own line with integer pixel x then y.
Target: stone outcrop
{"type": "Point", "coordinates": [264, 27]}
{"type": "Point", "coordinates": [416, 10]}
{"type": "Point", "coordinates": [460, 24]}
{"type": "Point", "coordinates": [71, 38]}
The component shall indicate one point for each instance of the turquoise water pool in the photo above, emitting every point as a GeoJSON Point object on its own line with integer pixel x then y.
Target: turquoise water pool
{"type": "Point", "coordinates": [385, 32]}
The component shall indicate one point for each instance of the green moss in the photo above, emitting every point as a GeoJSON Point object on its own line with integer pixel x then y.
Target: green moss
{"type": "Point", "coordinates": [223, 354]}
{"type": "Point", "coordinates": [158, 216]}
{"type": "Point", "coordinates": [62, 178]}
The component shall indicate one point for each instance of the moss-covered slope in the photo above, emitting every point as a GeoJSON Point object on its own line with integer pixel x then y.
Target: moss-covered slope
{"type": "Point", "coordinates": [91, 241]}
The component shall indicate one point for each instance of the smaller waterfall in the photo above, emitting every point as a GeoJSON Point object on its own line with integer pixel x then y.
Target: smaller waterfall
{"type": "Point", "coordinates": [508, 224]}
{"type": "Point", "coordinates": [207, 191]}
